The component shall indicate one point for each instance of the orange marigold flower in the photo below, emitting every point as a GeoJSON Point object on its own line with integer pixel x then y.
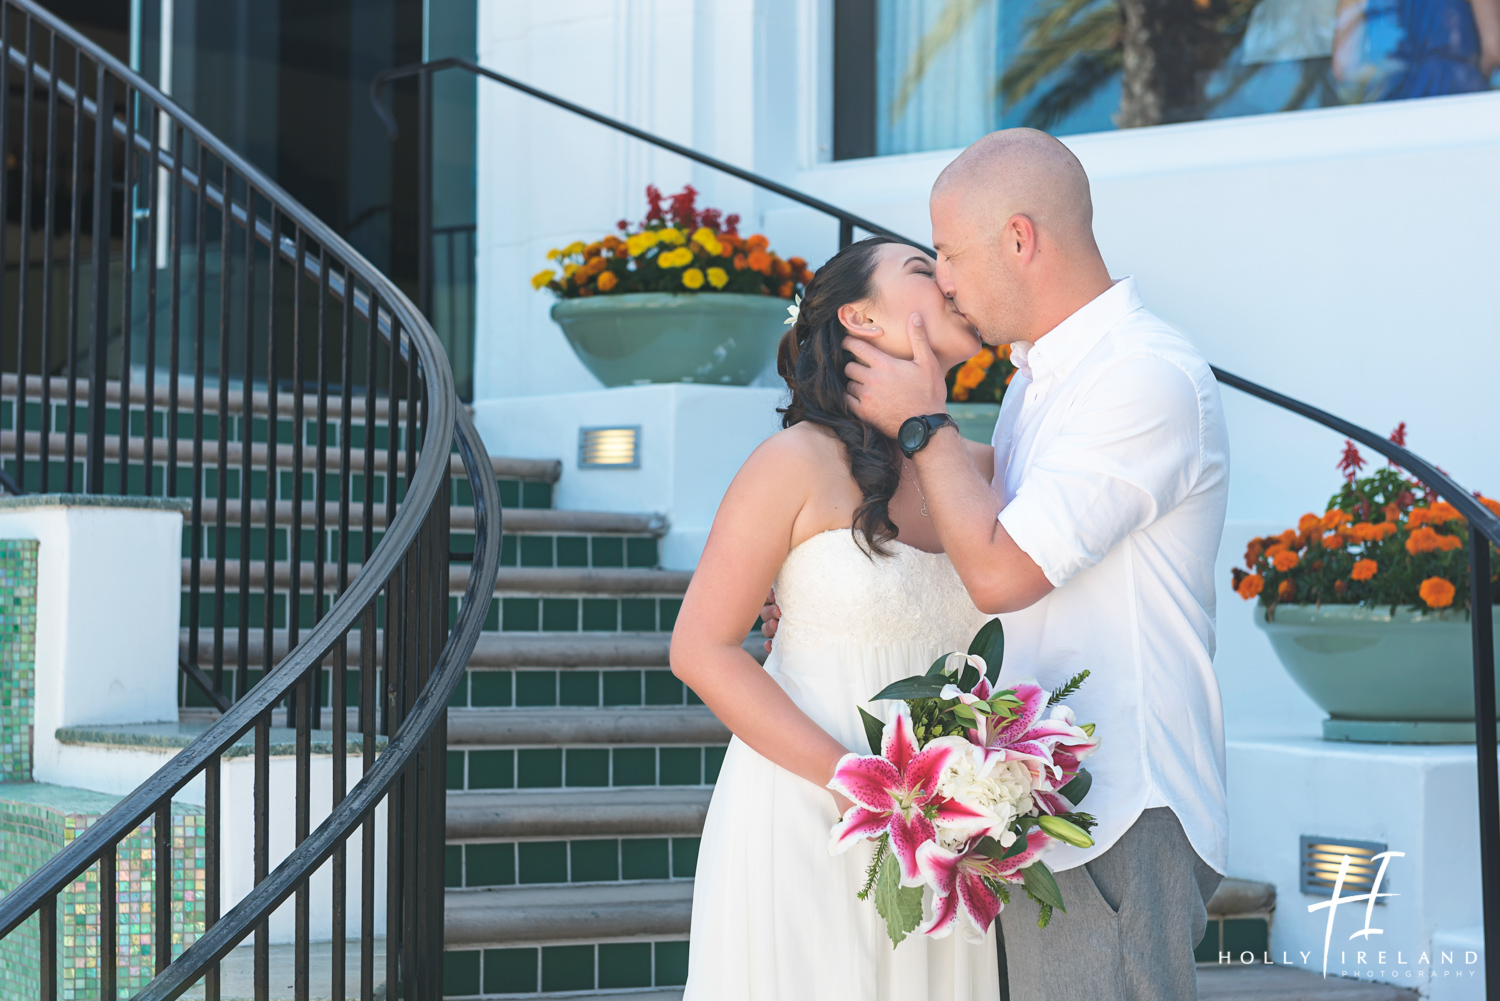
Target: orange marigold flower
{"type": "Point", "coordinates": [1449, 542]}
{"type": "Point", "coordinates": [1309, 522]}
{"type": "Point", "coordinates": [1422, 540]}
{"type": "Point", "coordinates": [1392, 512]}
{"type": "Point", "coordinates": [1364, 569]}
{"type": "Point", "coordinates": [760, 261]}
{"type": "Point", "coordinates": [607, 281]}
{"type": "Point", "coordinates": [784, 290]}
{"type": "Point", "coordinates": [1251, 586]}
{"type": "Point", "coordinates": [757, 242]}
{"type": "Point", "coordinates": [1288, 538]}
{"type": "Point", "coordinates": [1385, 529]}
{"type": "Point", "coordinates": [1334, 518]}
{"type": "Point", "coordinates": [797, 263]}
{"type": "Point", "coordinates": [1334, 540]}
{"type": "Point", "coordinates": [1253, 552]}
{"type": "Point", "coordinates": [1339, 587]}
{"type": "Point", "coordinates": [1286, 590]}
{"type": "Point", "coordinates": [1443, 512]}
{"type": "Point", "coordinates": [781, 269]}
{"type": "Point", "coordinates": [740, 263]}
{"type": "Point", "coordinates": [1285, 560]}
{"type": "Point", "coordinates": [1437, 592]}
{"type": "Point", "coordinates": [1491, 503]}
{"type": "Point", "coordinates": [1417, 517]}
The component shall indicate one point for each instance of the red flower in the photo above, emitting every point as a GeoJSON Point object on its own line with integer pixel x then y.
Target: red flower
{"type": "Point", "coordinates": [1351, 461]}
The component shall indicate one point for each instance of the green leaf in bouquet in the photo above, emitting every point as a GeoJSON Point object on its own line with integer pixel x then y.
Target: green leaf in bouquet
{"type": "Point", "coordinates": [965, 715]}
{"type": "Point", "coordinates": [1069, 688]}
{"type": "Point", "coordinates": [937, 666]}
{"type": "Point", "coordinates": [989, 643]}
{"type": "Point", "coordinates": [874, 730]}
{"type": "Point", "coordinates": [872, 871]}
{"type": "Point", "coordinates": [901, 906]}
{"type": "Point", "coordinates": [1087, 728]}
{"type": "Point", "coordinates": [918, 686]}
{"type": "Point", "coordinates": [1041, 886]}
{"type": "Point", "coordinates": [1075, 790]}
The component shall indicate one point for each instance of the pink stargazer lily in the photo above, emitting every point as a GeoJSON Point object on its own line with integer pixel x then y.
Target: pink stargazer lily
{"type": "Point", "coordinates": [960, 895]}
{"type": "Point", "coordinates": [895, 793]}
{"type": "Point", "coordinates": [1052, 748]}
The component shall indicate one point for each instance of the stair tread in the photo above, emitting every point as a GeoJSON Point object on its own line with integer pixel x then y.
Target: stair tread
{"type": "Point", "coordinates": [492, 649]}
{"type": "Point", "coordinates": [585, 725]}
{"type": "Point", "coordinates": [517, 520]}
{"type": "Point", "coordinates": [510, 580]}
{"type": "Point", "coordinates": [1242, 896]}
{"type": "Point", "coordinates": [576, 911]}
{"type": "Point", "coordinates": [1263, 982]}
{"type": "Point", "coordinates": [578, 813]}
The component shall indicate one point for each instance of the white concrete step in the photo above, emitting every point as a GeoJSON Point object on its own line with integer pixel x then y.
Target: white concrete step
{"type": "Point", "coordinates": [554, 727]}
{"type": "Point", "coordinates": [574, 912]}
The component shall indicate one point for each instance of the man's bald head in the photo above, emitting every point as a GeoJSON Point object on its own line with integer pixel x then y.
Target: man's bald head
{"type": "Point", "coordinates": [1013, 225]}
{"type": "Point", "coordinates": [1022, 172]}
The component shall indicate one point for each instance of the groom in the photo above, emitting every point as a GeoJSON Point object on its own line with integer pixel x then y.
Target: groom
{"type": "Point", "coordinates": [1095, 542]}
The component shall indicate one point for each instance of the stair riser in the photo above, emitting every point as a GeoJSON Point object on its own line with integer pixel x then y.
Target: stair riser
{"type": "Point", "coordinates": [476, 769]}
{"type": "Point", "coordinates": [572, 966]}
{"type": "Point", "coordinates": [493, 689]}
{"type": "Point", "coordinates": [481, 864]}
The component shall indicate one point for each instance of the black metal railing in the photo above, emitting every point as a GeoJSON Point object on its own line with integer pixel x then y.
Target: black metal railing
{"type": "Point", "coordinates": [1482, 522]}
{"type": "Point", "coordinates": [174, 324]}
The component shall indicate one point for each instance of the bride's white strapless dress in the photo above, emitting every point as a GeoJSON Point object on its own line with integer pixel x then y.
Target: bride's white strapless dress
{"type": "Point", "coordinates": [775, 917]}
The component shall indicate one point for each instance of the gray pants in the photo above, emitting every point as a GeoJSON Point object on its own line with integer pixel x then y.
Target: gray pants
{"type": "Point", "coordinates": [1134, 915]}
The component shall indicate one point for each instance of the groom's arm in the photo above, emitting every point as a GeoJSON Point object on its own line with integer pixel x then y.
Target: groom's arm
{"type": "Point", "coordinates": [884, 391]}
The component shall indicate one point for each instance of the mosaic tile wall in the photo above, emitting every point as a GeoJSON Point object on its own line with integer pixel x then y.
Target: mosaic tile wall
{"type": "Point", "coordinates": [31, 832]}
{"type": "Point", "coordinates": [17, 656]}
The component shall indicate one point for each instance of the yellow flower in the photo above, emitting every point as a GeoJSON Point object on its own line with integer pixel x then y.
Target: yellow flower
{"type": "Point", "coordinates": [553, 254]}
{"type": "Point", "coordinates": [680, 257]}
{"type": "Point", "coordinates": [568, 269]}
{"type": "Point", "coordinates": [692, 278]}
{"type": "Point", "coordinates": [641, 242]}
{"type": "Point", "coordinates": [706, 239]}
{"type": "Point", "coordinates": [718, 277]}
{"type": "Point", "coordinates": [576, 247]}
{"type": "Point", "coordinates": [541, 278]}
{"type": "Point", "coordinates": [671, 234]}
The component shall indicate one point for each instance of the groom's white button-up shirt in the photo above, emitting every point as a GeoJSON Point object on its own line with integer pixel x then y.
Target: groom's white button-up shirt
{"type": "Point", "coordinates": [1112, 461]}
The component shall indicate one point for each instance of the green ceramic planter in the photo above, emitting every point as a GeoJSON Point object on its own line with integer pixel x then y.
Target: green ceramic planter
{"type": "Point", "coordinates": [976, 421]}
{"type": "Point", "coordinates": [717, 338]}
{"type": "Point", "coordinates": [1405, 676]}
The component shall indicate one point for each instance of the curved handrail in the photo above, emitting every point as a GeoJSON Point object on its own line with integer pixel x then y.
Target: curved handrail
{"type": "Point", "coordinates": [444, 422]}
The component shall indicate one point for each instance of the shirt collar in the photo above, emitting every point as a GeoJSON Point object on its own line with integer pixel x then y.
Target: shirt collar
{"type": "Point", "coordinates": [1055, 353]}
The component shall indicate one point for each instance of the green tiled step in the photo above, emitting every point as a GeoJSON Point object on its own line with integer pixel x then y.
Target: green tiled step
{"type": "Point", "coordinates": [511, 580]}
{"type": "Point", "coordinates": [587, 911]}
{"type": "Point", "coordinates": [559, 862]}
{"type": "Point", "coordinates": [1239, 920]}
{"type": "Point", "coordinates": [517, 521]}
{"type": "Point", "coordinates": [570, 969]}
{"type": "Point", "coordinates": [488, 689]}
{"type": "Point", "coordinates": [490, 749]}
{"type": "Point", "coordinates": [496, 816]}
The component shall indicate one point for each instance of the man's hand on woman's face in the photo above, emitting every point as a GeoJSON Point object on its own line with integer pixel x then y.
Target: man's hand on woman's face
{"type": "Point", "coordinates": [770, 618]}
{"type": "Point", "coordinates": [886, 391]}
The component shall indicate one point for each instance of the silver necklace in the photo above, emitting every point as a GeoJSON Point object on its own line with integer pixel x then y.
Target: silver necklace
{"type": "Point", "coordinates": [919, 490]}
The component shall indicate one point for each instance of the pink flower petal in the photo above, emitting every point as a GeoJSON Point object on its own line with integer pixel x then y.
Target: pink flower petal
{"type": "Point", "coordinates": [939, 866]}
{"type": "Point", "coordinates": [983, 690]}
{"type": "Point", "coordinates": [899, 744]}
{"type": "Point", "coordinates": [1036, 843]}
{"type": "Point", "coordinates": [1033, 701]}
{"type": "Point", "coordinates": [980, 903]}
{"type": "Point", "coordinates": [953, 813]}
{"type": "Point", "coordinates": [907, 835]}
{"type": "Point", "coordinates": [925, 769]}
{"type": "Point", "coordinates": [857, 824]}
{"type": "Point", "coordinates": [944, 913]}
{"type": "Point", "coordinates": [867, 780]}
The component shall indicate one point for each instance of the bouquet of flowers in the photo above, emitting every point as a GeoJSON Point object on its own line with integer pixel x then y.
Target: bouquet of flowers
{"type": "Point", "coordinates": [678, 247]}
{"type": "Point", "coordinates": [1385, 539]}
{"type": "Point", "coordinates": [967, 787]}
{"type": "Point", "coordinates": [983, 378]}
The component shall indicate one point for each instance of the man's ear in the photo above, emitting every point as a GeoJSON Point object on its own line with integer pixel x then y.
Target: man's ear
{"type": "Point", "coordinates": [1019, 238]}
{"type": "Point", "coordinates": [857, 322]}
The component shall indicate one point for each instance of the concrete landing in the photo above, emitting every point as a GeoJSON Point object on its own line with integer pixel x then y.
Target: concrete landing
{"type": "Point", "coordinates": [237, 973]}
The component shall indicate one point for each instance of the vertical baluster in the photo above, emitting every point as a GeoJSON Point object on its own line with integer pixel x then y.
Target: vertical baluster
{"type": "Point", "coordinates": [46, 934]}
{"type": "Point", "coordinates": [23, 272]}
{"type": "Point", "coordinates": [247, 438]}
{"type": "Point", "coordinates": [161, 902]}
{"type": "Point", "coordinates": [200, 350]}
{"type": "Point", "coordinates": [303, 806]}
{"type": "Point", "coordinates": [104, 147]}
{"type": "Point", "coordinates": [393, 438]}
{"type": "Point", "coordinates": [299, 435]}
{"type": "Point", "coordinates": [48, 190]}
{"type": "Point", "coordinates": [5, 20]}
{"type": "Point", "coordinates": [127, 283]}
{"type": "Point", "coordinates": [339, 703]}
{"type": "Point", "coordinates": [261, 860]}
{"type": "Point", "coordinates": [211, 796]}
{"type": "Point", "coordinates": [176, 221]}
{"type": "Point", "coordinates": [109, 927]}
{"type": "Point", "coordinates": [221, 507]}
{"type": "Point", "coordinates": [148, 431]}
{"type": "Point", "coordinates": [367, 641]}
{"type": "Point", "coordinates": [273, 420]}
{"type": "Point", "coordinates": [320, 480]}
{"type": "Point", "coordinates": [367, 514]}
{"type": "Point", "coordinates": [70, 443]}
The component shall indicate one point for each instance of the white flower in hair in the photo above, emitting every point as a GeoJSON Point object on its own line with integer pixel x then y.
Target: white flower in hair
{"type": "Point", "coordinates": [792, 311]}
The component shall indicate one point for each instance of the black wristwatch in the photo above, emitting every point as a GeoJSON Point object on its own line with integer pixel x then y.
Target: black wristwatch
{"type": "Point", "coordinates": [916, 432]}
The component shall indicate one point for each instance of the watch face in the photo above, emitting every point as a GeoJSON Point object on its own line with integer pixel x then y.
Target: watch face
{"type": "Point", "coordinates": [913, 434]}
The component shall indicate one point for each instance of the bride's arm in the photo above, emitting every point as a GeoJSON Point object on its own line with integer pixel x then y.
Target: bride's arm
{"type": "Point", "coordinates": [751, 536]}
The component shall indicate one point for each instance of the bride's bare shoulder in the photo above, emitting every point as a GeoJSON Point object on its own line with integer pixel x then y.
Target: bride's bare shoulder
{"type": "Point", "coordinates": [803, 443]}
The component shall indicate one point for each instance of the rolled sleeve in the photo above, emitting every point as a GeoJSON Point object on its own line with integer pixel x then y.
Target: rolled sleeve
{"type": "Point", "coordinates": [1129, 453]}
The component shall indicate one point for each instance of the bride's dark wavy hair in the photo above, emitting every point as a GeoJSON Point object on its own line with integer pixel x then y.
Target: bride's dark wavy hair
{"type": "Point", "coordinates": [812, 358]}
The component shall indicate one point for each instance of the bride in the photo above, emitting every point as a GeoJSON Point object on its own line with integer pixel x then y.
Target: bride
{"type": "Point", "coordinates": [828, 510]}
